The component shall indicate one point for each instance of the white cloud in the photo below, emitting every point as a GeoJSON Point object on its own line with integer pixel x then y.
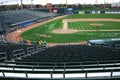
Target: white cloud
{"type": "Point", "coordinates": [58, 1]}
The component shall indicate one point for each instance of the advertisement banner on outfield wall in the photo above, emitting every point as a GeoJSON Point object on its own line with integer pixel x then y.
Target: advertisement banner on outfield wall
{"type": "Point", "coordinates": [99, 12]}
{"type": "Point", "coordinates": [70, 11]}
{"type": "Point", "coordinates": [55, 10]}
{"type": "Point", "coordinates": [81, 12]}
{"type": "Point", "coordinates": [102, 12]}
{"type": "Point", "coordinates": [95, 12]}
{"type": "Point", "coordinates": [88, 12]}
{"type": "Point", "coordinates": [112, 12]}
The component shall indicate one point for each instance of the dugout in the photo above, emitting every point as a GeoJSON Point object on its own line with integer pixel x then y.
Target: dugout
{"type": "Point", "coordinates": [113, 43]}
{"type": "Point", "coordinates": [87, 12]}
{"type": "Point", "coordinates": [22, 24]}
{"type": "Point", "coordinates": [81, 12]}
{"type": "Point", "coordinates": [26, 23]}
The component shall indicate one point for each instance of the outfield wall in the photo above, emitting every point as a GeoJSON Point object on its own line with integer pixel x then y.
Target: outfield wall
{"type": "Point", "coordinates": [99, 12]}
{"type": "Point", "coordinates": [75, 10]}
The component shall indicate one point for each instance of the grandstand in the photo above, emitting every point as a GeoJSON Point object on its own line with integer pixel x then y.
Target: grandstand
{"type": "Point", "coordinates": [21, 18]}
{"type": "Point", "coordinates": [24, 15]}
{"type": "Point", "coordinates": [96, 59]}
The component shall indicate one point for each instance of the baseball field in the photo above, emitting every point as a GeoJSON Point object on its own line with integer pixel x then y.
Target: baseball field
{"type": "Point", "coordinates": [76, 28]}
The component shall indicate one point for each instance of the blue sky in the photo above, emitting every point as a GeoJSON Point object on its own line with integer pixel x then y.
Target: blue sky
{"type": "Point", "coordinates": [58, 1]}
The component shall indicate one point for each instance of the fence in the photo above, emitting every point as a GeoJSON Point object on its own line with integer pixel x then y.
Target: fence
{"type": "Point", "coordinates": [99, 12]}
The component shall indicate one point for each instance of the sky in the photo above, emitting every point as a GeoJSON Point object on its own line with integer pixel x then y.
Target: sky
{"type": "Point", "coordinates": [43, 2]}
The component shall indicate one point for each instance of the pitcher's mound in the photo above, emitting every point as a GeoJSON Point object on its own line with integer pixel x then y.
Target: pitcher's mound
{"type": "Point", "coordinates": [62, 31]}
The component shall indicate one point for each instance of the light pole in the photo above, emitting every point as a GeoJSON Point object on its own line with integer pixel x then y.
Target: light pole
{"type": "Point", "coordinates": [31, 4]}
{"type": "Point", "coordinates": [104, 4]}
{"type": "Point", "coordinates": [21, 4]}
{"type": "Point", "coordinates": [1, 19]}
{"type": "Point", "coordinates": [96, 1]}
{"type": "Point", "coordinates": [66, 3]}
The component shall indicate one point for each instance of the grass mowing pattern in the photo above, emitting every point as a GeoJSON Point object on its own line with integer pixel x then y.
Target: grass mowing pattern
{"type": "Point", "coordinates": [75, 37]}
{"type": "Point", "coordinates": [107, 25]}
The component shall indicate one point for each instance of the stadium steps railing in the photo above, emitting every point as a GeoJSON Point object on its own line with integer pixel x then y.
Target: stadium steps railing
{"type": "Point", "coordinates": [3, 56]}
{"type": "Point", "coordinates": [18, 54]}
{"type": "Point", "coordinates": [110, 62]}
{"type": "Point", "coordinates": [107, 69]}
{"type": "Point", "coordinates": [17, 51]}
{"type": "Point", "coordinates": [30, 51]}
{"type": "Point", "coordinates": [62, 68]}
{"type": "Point", "coordinates": [86, 73]}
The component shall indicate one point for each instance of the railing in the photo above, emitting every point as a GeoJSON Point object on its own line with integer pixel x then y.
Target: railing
{"type": "Point", "coordinates": [65, 63]}
{"type": "Point", "coordinates": [84, 70]}
{"type": "Point", "coordinates": [14, 51]}
{"type": "Point", "coordinates": [117, 46]}
{"type": "Point", "coordinates": [30, 50]}
{"type": "Point", "coordinates": [107, 45]}
{"type": "Point", "coordinates": [63, 74]}
{"type": "Point", "coordinates": [61, 68]}
{"type": "Point", "coordinates": [19, 53]}
{"type": "Point", "coordinates": [3, 56]}
{"type": "Point", "coordinates": [40, 48]}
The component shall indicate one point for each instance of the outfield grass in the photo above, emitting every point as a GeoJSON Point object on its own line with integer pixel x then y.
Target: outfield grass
{"type": "Point", "coordinates": [107, 25]}
{"type": "Point", "coordinates": [114, 16]}
{"type": "Point", "coordinates": [75, 37]}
